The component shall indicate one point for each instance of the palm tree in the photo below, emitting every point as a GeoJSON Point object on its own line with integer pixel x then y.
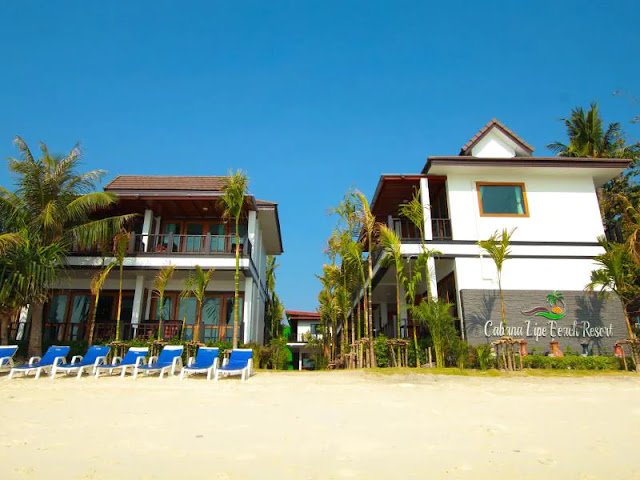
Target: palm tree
{"type": "Point", "coordinates": [617, 274]}
{"type": "Point", "coordinates": [274, 309]}
{"type": "Point", "coordinates": [120, 244]}
{"type": "Point", "coordinates": [330, 301]}
{"type": "Point", "coordinates": [588, 138]}
{"type": "Point", "coordinates": [367, 220]}
{"type": "Point", "coordinates": [53, 205]}
{"type": "Point", "coordinates": [498, 248]}
{"type": "Point", "coordinates": [437, 317]}
{"type": "Point", "coordinates": [232, 202]}
{"type": "Point", "coordinates": [196, 285]}
{"type": "Point", "coordinates": [353, 258]}
{"type": "Point", "coordinates": [411, 282]}
{"type": "Point", "coordinates": [391, 244]}
{"type": "Point", "coordinates": [97, 282]}
{"type": "Point", "coordinates": [159, 285]}
{"type": "Point", "coordinates": [26, 271]}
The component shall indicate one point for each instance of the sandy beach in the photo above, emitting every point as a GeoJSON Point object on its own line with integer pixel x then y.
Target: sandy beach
{"type": "Point", "coordinates": [321, 425]}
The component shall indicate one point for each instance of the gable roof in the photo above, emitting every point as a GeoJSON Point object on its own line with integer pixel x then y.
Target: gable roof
{"type": "Point", "coordinates": [167, 182]}
{"type": "Point", "coordinates": [494, 123]}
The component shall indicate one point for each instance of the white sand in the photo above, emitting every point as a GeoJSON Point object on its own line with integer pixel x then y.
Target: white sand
{"type": "Point", "coordinates": [321, 425]}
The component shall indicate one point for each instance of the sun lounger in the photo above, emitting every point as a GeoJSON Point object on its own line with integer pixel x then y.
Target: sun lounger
{"type": "Point", "coordinates": [169, 359]}
{"type": "Point", "coordinates": [134, 357]}
{"type": "Point", "coordinates": [54, 356]}
{"type": "Point", "coordinates": [240, 362]}
{"type": "Point", "coordinates": [206, 361]}
{"type": "Point", "coordinates": [6, 354]}
{"type": "Point", "coordinates": [96, 355]}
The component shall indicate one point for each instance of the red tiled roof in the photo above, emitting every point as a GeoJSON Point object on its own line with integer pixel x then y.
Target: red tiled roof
{"type": "Point", "coordinates": [166, 182]}
{"type": "Point", "coordinates": [295, 313]}
{"type": "Point", "coordinates": [494, 123]}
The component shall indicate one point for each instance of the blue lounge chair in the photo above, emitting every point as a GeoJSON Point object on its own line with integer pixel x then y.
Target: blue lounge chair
{"type": "Point", "coordinates": [135, 356]}
{"type": "Point", "coordinates": [169, 359]}
{"type": "Point", "coordinates": [6, 354]}
{"type": "Point", "coordinates": [240, 362]}
{"type": "Point", "coordinates": [206, 361]}
{"type": "Point", "coordinates": [96, 355]}
{"type": "Point", "coordinates": [54, 356]}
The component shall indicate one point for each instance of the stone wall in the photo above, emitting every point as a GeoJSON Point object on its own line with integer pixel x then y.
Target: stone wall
{"type": "Point", "coordinates": [586, 318]}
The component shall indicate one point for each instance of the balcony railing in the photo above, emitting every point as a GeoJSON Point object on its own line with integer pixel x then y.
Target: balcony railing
{"type": "Point", "coordinates": [170, 244]}
{"type": "Point", "coordinates": [441, 229]}
{"type": "Point", "coordinates": [304, 337]}
{"type": "Point", "coordinates": [406, 230]}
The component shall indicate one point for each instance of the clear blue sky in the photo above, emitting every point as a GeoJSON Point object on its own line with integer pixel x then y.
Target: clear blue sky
{"type": "Point", "coordinates": [309, 98]}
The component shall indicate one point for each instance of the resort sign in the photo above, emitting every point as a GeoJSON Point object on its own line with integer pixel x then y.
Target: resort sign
{"type": "Point", "coordinates": [551, 328]}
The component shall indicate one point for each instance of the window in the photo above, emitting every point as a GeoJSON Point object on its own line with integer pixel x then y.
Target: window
{"type": "Point", "coordinates": [502, 199]}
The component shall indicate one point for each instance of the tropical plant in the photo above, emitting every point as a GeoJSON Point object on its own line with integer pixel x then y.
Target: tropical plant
{"type": "Point", "coordinates": [483, 356]}
{"type": "Point", "coordinates": [232, 201]}
{"type": "Point", "coordinates": [436, 316]}
{"type": "Point", "coordinates": [196, 285]}
{"type": "Point", "coordinates": [391, 245]}
{"type": "Point", "coordinates": [330, 302]}
{"type": "Point", "coordinates": [53, 206]}
{"type": "Point", "coordinates": [588, 137]}
{"type": "Point", "coordinates": [26, 271]}
{"type": "Point", "coordinates": [411, 280]}
{"type": "Point", "coordinates": [498, 248]}
{"type": "Point", "coordinates": [352, 256]}
{"type": "Point", "coordinates": [159, 285]}
{"type": "Point", "coordinates": [367, 221]}
{"type": "Point", "coordinates": [616, 274]}
{"type": "Point", "coordinates": [120, 244]}
{"type": "Point", "coordinates": [97, 282]}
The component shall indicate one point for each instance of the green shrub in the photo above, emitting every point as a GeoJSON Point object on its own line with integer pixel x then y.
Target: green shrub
{"type": "Point", "coordinates": [483, 357]}
{"type": "Point", "coordinates": [423, 344]}
{"type": "Point", "coordinates": [381, 350]}
{"type": "Point", "coordinates": [572, 362]}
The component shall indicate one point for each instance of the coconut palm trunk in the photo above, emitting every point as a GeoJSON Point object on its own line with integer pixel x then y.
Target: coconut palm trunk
{"type": "Point", "coordinates": [35, 334]}
{"type": "Point", "coordinates": [5, 318]}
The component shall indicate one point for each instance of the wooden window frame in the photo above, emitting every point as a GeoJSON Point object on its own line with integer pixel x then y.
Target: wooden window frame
{"type": "Point", "coordinates": [510, 184]}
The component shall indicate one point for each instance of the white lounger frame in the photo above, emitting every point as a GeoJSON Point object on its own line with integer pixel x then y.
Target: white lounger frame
{"type": "Point", "coordinates": [244, 373]}
{"type": "Point", "coordinates": [115, 363]}
{"type": "Point", "coordinates": [8, 360]}
{"type": "Point", "coordinates": [56, 361]}
{"type": "Point", "coordinates": [209, 371]}
{"type": "Point", "coordinates": [77, 359]}
{"type": "Point", "coordinates": [174, 364]}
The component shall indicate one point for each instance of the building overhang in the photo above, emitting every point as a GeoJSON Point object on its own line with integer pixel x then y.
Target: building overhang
{"type": "Point", "coordinates": [600, 169]}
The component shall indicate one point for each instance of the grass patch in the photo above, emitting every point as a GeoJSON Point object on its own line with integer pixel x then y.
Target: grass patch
{"type": "Point", "coordinates": [528, 372]}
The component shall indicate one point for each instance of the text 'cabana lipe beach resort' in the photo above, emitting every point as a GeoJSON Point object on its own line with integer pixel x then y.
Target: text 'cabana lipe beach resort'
{"type": "Point", "coordinates": [495, 183]}
{"type": "Point", "coordinates": [179, 224]}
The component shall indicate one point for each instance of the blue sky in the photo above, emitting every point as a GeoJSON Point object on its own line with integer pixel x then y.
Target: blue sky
{"type": "Point", "coordinates": [310, 98]}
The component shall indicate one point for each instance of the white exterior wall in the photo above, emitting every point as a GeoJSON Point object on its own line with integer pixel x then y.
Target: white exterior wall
{"type": "Point", "coordinates": [561, 209]}
{"type": "Point", "coordinates": [304, 326]}
{"type": "Point", "coordinates": [524, 273]}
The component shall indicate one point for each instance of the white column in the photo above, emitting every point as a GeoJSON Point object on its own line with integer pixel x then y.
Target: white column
{"type": "Point", "coordinates": [390, 222]}
{"type": "Point", "coordinates": [300, 360]}
{"type": "Point", "coordinates": [433, 280]}
{"type": "Point", "coordinates": [251, 232]}
{"type": "Point", "coordinates": [458, 301]}
{"type": "Point", "coordinates": [247, 310]}
{"type": "Point", "coordinates": [146, 227]}
{"type": "Point", "coordinates": [384, 315]}
{"type": "Point", "coordinates": [137, 300]}
{"type": "Point", "coordinates": [424, 198]}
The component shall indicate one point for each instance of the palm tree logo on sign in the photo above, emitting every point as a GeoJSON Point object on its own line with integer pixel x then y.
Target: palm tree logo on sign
{"type": "Point", "coordinates": [555, 311]}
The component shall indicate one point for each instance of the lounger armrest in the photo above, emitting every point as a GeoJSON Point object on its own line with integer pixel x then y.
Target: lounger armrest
{"type": "Point", "coordinates": [33, 360]}
{"type": "Point", "coordinates": [216, 361]}
{"type": "Point", "coordinates": [175, 362]}
{"type": "Point", "coordinates": [8, 359]}
{"type": "Point", "coordinates": [141, 361]}
{"type": "Point", "coordinates": [250, 366]}
{"type": "Point", "coordinates": [76, 358]}
{"type": "Point", "coordinates": [100, 361]}
{"type": "Point", "coordinates": [190, 361]}
{"type": "Point", "coordinates": [225, 361]}
{"type": "Point", "coordinates": [116, 360]}
{"type": "Point", "coordinates": [58, 361]}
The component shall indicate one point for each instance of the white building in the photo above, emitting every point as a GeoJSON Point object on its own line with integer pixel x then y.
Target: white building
{"type": "Point", "coordinates": [179, 223]}
{"type": "Point", "coordinates": [496, 183]}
